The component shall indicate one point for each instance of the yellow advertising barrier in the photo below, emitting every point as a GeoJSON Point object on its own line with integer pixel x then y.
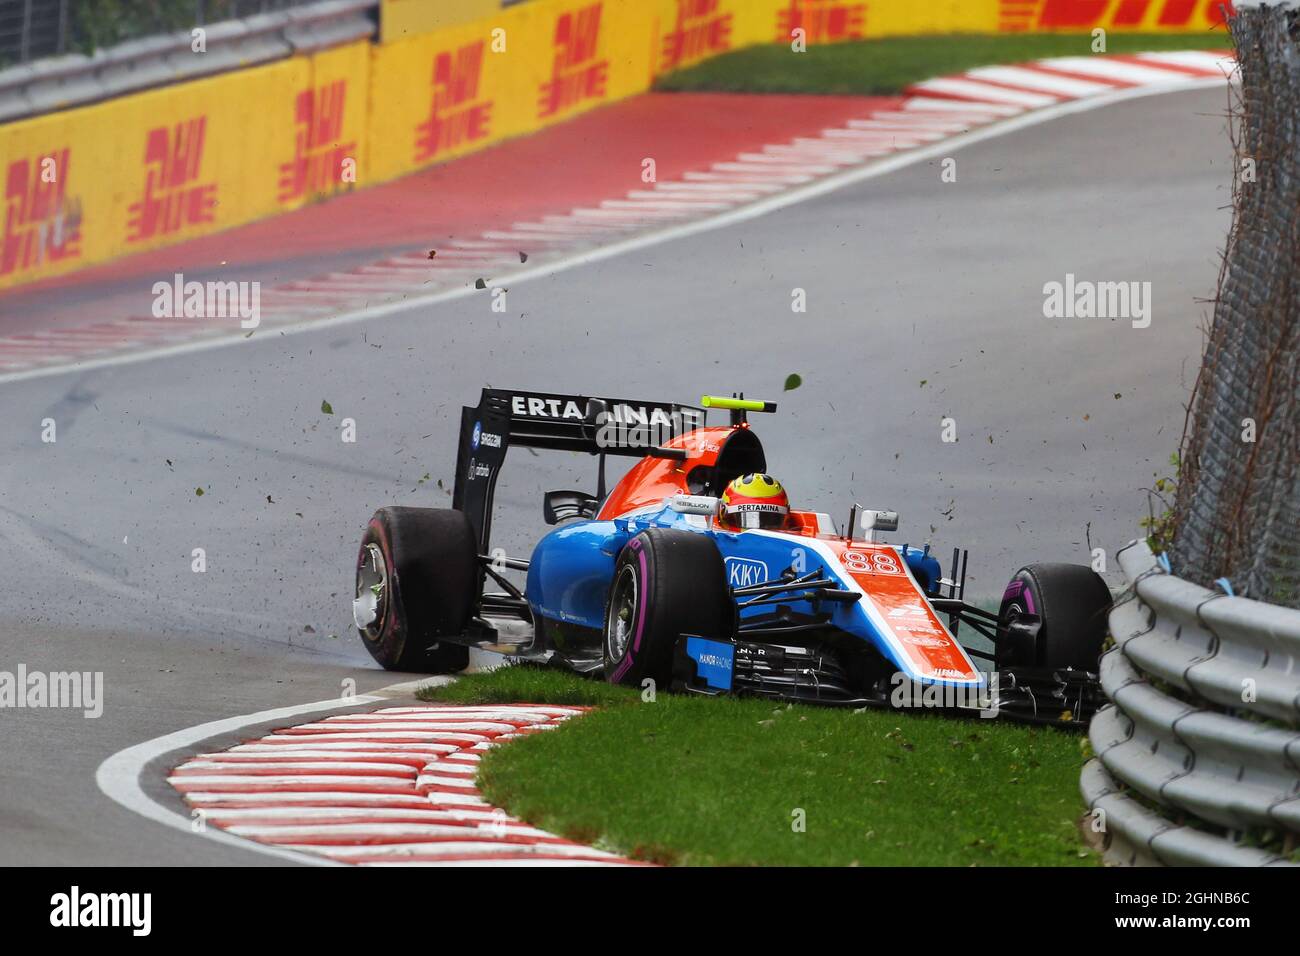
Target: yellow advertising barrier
{"type": "Point", "coordinates": [1148, 16]}
{"type": "Point", "coordinates": [154, 168]}
{"type": "Point", "coordinates": [148, 170]}
{"type": "Point", "coordinates": [399, 19]}
{"type": "Point", "coordinates": [438, 96]}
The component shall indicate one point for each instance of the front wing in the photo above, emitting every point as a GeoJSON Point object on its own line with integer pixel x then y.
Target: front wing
{"type": "Point", "coordinates": [816, 673]}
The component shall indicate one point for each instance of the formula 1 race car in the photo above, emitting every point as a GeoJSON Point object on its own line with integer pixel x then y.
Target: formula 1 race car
{"type": "Point", "coordinates": [643, 582]}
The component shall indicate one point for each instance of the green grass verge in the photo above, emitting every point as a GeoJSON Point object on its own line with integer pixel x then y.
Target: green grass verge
{"type": "Point", "coordinates": [878, 67]}
{"type": "Point", "coordinates": [717, 781]}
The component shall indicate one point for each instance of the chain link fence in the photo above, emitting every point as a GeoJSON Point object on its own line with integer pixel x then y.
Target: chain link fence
{"type": "Point", "coordinates": [34, 29]}
{"type": "Point", "coordinates": [1237, 512]}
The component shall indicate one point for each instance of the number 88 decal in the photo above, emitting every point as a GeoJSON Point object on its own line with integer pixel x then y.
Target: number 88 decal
{"type": "Point", "coordinates": [876, 562]}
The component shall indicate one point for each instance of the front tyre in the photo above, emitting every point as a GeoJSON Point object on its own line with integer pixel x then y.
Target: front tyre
{"type": "Point", "coordinates": [416, 582]}
{"type": "Point", "coordinates": [667, 583]}
{"type": "Point", "coordinates": [1068, 604]}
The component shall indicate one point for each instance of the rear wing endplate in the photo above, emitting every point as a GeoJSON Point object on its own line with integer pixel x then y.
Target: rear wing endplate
{"type": "Point", "coordinates": [596, 426]}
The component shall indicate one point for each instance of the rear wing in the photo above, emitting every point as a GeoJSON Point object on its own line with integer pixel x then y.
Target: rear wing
{"type": "Point", "coordinates": [597, 426]}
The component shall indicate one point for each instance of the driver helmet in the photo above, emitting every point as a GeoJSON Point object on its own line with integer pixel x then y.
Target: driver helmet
{"type": "Point", "coordinates": [755, 500]}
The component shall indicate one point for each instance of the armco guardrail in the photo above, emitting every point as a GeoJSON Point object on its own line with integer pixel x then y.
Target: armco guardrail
{"type": "Point", "coordinates": [31, 29]}
{"type": "Point", "coordinates": [76, 79]}
{"type": "Point", "coordinates": [1198, 755]}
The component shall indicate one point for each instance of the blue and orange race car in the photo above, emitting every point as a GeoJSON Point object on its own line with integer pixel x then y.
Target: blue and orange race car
{"type": "Point", "coordinates": [651, 581]}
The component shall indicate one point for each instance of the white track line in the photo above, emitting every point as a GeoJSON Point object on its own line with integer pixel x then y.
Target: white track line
{"type": "Point", "coordinates": [708, 188]}
{"type": "Point", "coordinates": [985, 93]}
{"type": "Point", "coordinates": [327, 807]}
{"type": "Point", "coordinates": [345, 794]}
{"type": "Point", "coordinates": [742, 179]}
{"type": "Point", "coordinates": [1198, 59]}
{"type": "Point", "coordinates": [118, 777]}
{"type": "Point", "coordinates": [499, 247]}
{"type": "Point", "coordinates": [803, 148]}
{"type": "Point", "coordinates": [941, 105]}
{"type": "Point", "coordinates": [787, 169]}
{"type": "Point", "coordinates": [487, 849]}
{"type": "Point", "coordinates": [655, 202]}
{"type": "Point", "coordinates": [1151, 76]}
{"type": "Point", "coordinates": [1038, 82]}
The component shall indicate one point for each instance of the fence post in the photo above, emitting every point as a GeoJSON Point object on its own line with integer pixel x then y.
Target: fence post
{"type": "Point", "coordinates": [1238, 504]}
{"type": "Point", "coordinates": [24, 45]}
{"type": "Point", "coordinates": [62, 47]}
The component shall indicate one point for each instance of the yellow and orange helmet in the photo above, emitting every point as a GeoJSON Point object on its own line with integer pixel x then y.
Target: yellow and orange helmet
{"type": "Point", "coordinates": [754, 501]}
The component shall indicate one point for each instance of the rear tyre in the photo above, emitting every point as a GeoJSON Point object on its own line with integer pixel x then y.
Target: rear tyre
{"type": "Point", "coordinates": [666, 583]}
{"type": "Point", "coordinates": [1070, 602]}
{"type": "Point", "coordinates": [416, 581]}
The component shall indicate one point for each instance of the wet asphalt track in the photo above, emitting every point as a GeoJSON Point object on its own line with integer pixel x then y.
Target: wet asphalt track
{"type": "Point", "coordinates": [924, 301]}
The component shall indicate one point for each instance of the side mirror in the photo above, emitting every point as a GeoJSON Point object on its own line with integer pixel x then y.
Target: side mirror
{"type": "Point", "coordinates": [873, 521]}
{"type": "Point", "coordinates": [560, 506]}
{"type": "Point", "coordinates": [694, 505]}
{"type": "Point", "coordinates": [880, 521]}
